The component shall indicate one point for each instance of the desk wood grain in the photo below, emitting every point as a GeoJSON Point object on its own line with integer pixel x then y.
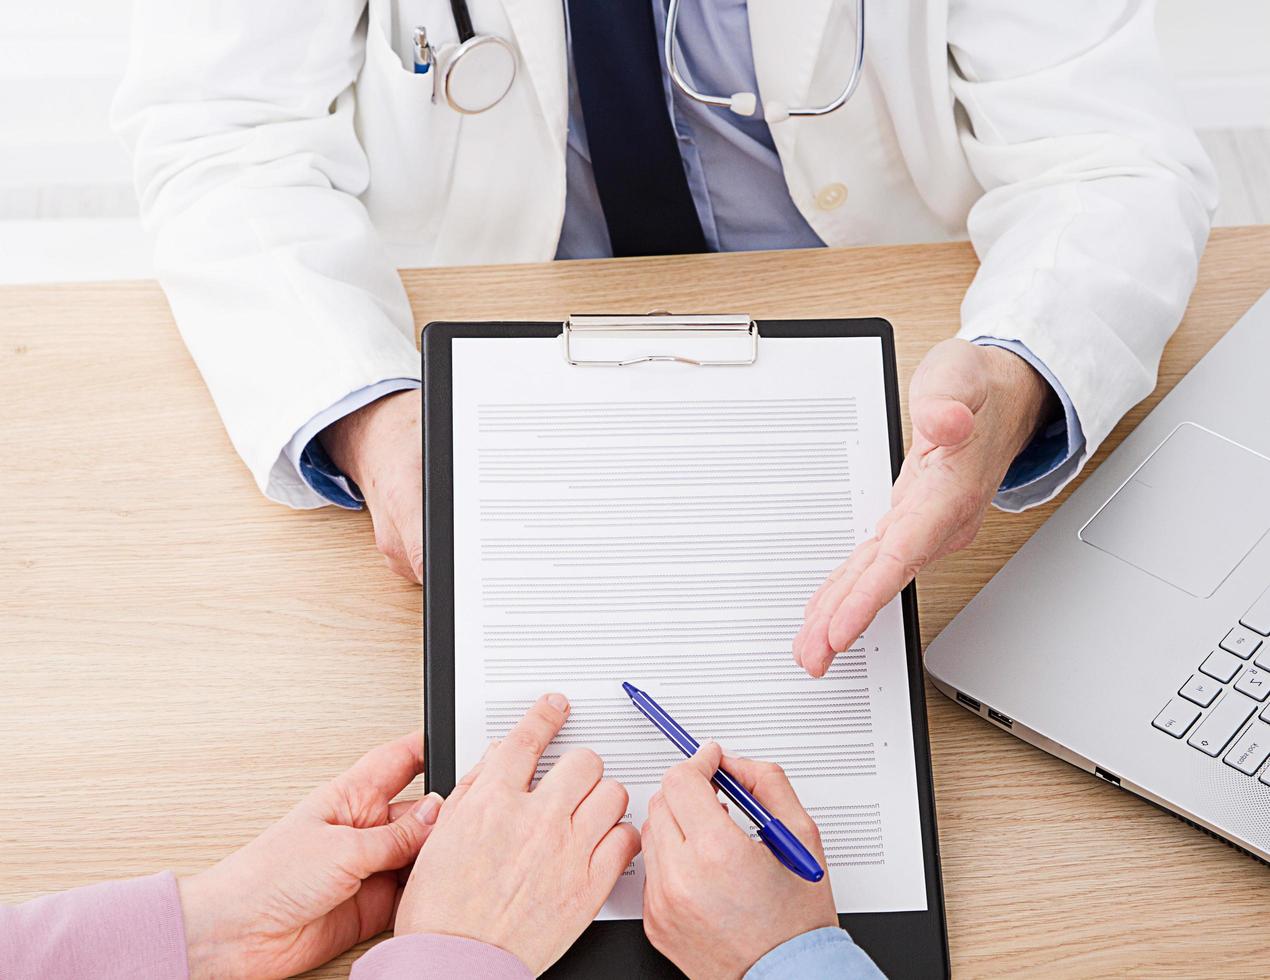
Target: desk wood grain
{"type": "Point", "coordinates": [180, 661]}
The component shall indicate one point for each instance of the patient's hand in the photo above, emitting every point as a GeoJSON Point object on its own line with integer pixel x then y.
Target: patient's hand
{"type": "Point", "coordinates": [380, 448]}
{"type": "Point", "coordinates": [715, 901]}
{"type": "Point", "coordinates": [524, 870]}
{"type": "Point", "coordinates": [320, 880]}
{"type": "Point", "coordinates": [973, 410]}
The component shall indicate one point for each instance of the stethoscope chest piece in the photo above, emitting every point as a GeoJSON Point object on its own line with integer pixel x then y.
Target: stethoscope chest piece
{"type": "Point", "coordinates": [472, 75]}
{"type": "Point", "coordinates": [475, 75]}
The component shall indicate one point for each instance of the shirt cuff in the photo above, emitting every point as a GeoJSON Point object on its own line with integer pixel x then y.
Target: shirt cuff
{"type": "Point", "coordinates": [1053, 455]}
{"type": "Point", "coordinates": [822, 954]}
{"type": "Point", "coordinates": [437, 957]}
{"type": "Point", "coordinates": [310, 460]}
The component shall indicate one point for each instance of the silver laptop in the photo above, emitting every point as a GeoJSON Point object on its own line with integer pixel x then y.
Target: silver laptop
{"type": "Point", "coordinates": [1131, 635]}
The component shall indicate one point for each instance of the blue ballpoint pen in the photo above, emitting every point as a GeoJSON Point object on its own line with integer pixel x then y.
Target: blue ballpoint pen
{"type": "Point", "coordinates": [789, 850]}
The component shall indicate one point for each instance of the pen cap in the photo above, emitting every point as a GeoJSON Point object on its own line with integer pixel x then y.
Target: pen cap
{"type": "Point", "coordinates": [789, 851]}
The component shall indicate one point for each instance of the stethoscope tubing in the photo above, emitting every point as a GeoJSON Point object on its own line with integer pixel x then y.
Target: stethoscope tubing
{"type": "Point", "coordinates": [463, 22]}
{"type": "Point", "coordinates": [848, 90]}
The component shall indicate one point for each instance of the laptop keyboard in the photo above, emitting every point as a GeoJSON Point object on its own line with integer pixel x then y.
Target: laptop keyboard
{"type": "Point", "coordinates": [1212, 713]}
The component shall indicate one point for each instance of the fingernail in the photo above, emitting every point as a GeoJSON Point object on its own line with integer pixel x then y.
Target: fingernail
{"type": "Point", "coordinates": [427, 810]}
{"type": "Point", "coordinates": [558, 701]}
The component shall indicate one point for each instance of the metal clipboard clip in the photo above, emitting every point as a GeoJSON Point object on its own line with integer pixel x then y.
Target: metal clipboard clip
{"type": "Point", "coordinates": [740, 326]}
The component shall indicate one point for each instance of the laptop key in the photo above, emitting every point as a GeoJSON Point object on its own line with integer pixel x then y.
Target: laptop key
{"type": "Point", "coordinates": [1215, 732]}
{"type": "Point", "coordinates": [1242, 642]}
{"type": "Point", "coordinates": [1200, 689]}
{"type": "Point", "coordinates": [1262, 659]}
{"type": "Point", "coordinates": [1258, 616]}
{"type": "Point", "coordinates": [1176, 718]}
{"type": "Point", "coordinates": [1251, 750]}
{"type": "Point", "coordinates": [1255, 683]}
{"type": "Point", "coordinates": [1221, 665]}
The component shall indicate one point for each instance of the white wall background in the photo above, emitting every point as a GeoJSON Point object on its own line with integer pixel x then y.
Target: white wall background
{"type": "Point", "coordinates": [60, 165]}
{"type": "Point", "coordinates": [1215, 37]}
{"type": "Point", "coordinates": [1219, 51]}
{"type": "Point", "coordinates": [60, 61]}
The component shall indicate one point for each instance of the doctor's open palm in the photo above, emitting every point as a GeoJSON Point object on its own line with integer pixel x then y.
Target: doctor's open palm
{"type": "Point", "coordinates": [973, 410]}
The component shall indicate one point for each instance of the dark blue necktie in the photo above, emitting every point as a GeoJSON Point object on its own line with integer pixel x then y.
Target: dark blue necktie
{"type": "Point", "coordinates": [634, 151]}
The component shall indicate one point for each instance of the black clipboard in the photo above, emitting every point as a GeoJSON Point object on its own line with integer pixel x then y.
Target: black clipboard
{"type": "Point", "coordinates": [903, 944]}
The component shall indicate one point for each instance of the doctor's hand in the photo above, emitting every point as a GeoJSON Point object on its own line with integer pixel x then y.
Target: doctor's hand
{"type": "Point", "coordinates": [322, 879]}
{"type": "Point", "coordinates": [523, 869]}
{"type": "Point", "coordinates": [380, 448]}
{"type": "Point", "coordinates": [715, 901]}
{"type": "Point", "coordinates": [973, 409]}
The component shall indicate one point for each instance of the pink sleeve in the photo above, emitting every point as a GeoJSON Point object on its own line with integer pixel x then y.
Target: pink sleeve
{"type": "Point", "coordinates": [129, 930]}
{"type": "Point", "coordinates": [432, 957]}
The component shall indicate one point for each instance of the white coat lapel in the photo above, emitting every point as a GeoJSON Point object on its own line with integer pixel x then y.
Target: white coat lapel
{"type": "Point", "coordinates": [538, 29]}
{"type": "Point", "coordinates": [787, 38]}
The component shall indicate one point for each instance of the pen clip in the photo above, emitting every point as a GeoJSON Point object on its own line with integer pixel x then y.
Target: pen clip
{"type": "Point", "coordinates": [424, 57]}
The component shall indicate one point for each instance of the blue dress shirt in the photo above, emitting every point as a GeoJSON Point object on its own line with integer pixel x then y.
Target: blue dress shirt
{"type": "Point", "coordinates": [822, 954]}
{"type": "Point", "coordinates": [738, 187]}
{"type": "Point", "coordinates": [311, 461]}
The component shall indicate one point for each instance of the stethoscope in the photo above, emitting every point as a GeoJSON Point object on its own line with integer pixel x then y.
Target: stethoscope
{"type": "Point", "coordinates": [473, 75]}
{"type": "Point", "coordinates": [477, 73]}
{"type": "Point", "coordinates": [745, 103]}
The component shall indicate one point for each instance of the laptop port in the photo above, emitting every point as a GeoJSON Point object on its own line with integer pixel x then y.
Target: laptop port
{"type": "Point", "coordinates": [968, 701]}
{"type": "Point", "coordinates": [1102, 773]}
{"type": "Point", "coordinates": [1000, 719]}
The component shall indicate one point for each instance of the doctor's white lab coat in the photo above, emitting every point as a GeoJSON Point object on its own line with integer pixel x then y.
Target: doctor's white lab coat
{"type": "Point", "coordinates": [286, 156]}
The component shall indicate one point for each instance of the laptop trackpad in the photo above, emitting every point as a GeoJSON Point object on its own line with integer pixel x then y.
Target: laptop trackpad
{"type": "Point", "coordinates": [1190, 513]}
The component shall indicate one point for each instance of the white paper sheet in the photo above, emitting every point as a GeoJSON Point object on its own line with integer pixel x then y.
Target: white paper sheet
{"type": "Point", "coordinates": [665, 524]}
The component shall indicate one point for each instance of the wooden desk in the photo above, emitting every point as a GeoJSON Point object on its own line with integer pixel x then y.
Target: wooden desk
{"type": "Point", "coordinates": [180, 661]}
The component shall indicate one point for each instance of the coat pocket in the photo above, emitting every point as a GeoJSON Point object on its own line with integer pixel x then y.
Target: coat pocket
{"type": "Point", "coordinates": [409, 138]}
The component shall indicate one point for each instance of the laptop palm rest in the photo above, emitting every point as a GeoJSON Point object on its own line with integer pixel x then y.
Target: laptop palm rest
{"type": "Point", "coordinates": [1190, 513]}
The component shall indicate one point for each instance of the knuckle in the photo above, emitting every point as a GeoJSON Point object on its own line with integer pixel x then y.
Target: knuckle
{"type": "Point", "coordinates": [527, 740]}
{"type": "Point", "coordinates": [616, 790]}
{"type": "Point", "coordinates": [678, 776]}
{"type": "Point", "coordinates": [676, 888]}
{"type": "Point", "coordinates": [587, 759]}
{"type": "Point", "coordinates": [769, 774]}
{"type": "Point", "coordinates": [902, 561]}
{"type": "Point", "coordinates": [401, 838]}
{"type": "Point", "coordinates": [630, 846]}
